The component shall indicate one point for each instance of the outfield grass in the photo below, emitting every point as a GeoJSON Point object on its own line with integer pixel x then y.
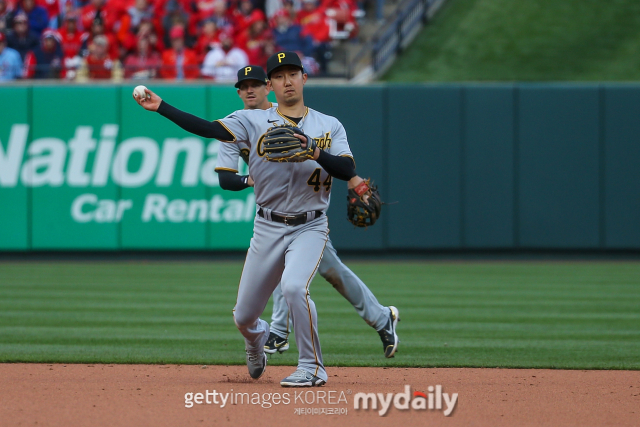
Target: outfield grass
{"type": "Point", "coordinates": [542, 40]}
{"type": "Point", "coordinates": [495, 314]}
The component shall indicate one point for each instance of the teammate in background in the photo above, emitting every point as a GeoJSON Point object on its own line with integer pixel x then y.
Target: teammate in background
{"type": "Point", "coordinates": [290, 229]}
{"type": "Point", "coordinates": [253, 90]}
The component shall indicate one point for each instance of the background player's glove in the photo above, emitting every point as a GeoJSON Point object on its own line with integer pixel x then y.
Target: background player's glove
{"type": "Point", "coordinates": [279, 145]}
{"type": "Point", "coordinates": [364, 204]}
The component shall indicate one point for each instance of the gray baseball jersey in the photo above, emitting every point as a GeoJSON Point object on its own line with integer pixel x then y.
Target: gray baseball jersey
{"type": "Point", "coordinates": [288, 188]}
{"type": "Point", "coordinates": [229, 156]}
{"type": "Point", "coordinates": [331, 268]}
{"type": "Point", "coordinates": [280, 252]}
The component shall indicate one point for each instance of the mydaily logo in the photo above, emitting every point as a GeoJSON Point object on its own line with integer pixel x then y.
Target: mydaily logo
{"type": "Point", "coordinates": [433, 399]}
{"type": "Point", "coordinates": [89, 160]}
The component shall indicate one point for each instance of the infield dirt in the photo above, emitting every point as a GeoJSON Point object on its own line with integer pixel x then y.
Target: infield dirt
{"type": "Point", "coordinates": [154, 395]}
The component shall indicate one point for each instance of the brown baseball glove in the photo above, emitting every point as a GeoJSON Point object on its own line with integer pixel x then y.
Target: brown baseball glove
{"type": "Point", "coordinates": [364, 204]}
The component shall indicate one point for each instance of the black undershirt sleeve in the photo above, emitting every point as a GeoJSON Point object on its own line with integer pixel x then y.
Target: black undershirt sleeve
{"type": "Point", "coordinates": [232, 181]}
{"type": "Point", "coordinates": [195, 125]}
{"type": "Point", "coordinates": [337, 166]}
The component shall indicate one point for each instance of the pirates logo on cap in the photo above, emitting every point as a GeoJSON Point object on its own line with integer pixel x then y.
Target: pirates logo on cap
{"type": "Point", "coordinates": [251, 72]}
{"type": "Point", "coordinates": [280, 59]}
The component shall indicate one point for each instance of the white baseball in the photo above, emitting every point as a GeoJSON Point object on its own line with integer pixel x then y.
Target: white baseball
{"type": "Point", "coordinates": [138, 92]}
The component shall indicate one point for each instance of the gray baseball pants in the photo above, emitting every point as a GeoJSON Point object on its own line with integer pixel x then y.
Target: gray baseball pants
{"type": "Point", "coordinates": [289, 255]}
{"type": "Point", "coordinates": [344, 281]}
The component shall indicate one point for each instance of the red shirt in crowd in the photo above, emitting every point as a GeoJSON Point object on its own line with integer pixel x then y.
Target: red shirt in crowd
{"type": "Point", "coordinates": [144, 67]}
{"type": "Point", "coordinates": [204, 44]}
{"type": "Point", "coordinates": [99, 67]}
{"type": "Point", "coordinates": [190, 65]}
{"type": "Point", "coordinates": [314, 24]}
{"type": "Point", "coordinates": [71, 42]}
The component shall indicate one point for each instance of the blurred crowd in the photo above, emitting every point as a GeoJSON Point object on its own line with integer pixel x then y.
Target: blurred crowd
{"type": "Point", "coordinates": [168, 39]}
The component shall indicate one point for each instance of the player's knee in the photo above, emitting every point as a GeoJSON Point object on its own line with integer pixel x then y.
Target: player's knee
{"type": "Point", "coordinates": [243, 320]}
{"type": "Point", "coordinates": [291, 291]}
{"type": "Point", "coordinates": [332, 276]}
{"type": "Point", "coordinates": [324, 268]}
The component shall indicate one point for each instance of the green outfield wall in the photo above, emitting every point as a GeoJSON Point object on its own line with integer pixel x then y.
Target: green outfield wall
{"type": "Point", "coordinates": [471, 166]}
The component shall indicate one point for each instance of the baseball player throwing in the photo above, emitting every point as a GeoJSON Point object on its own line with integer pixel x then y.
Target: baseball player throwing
{"type": "Point", "coordinates": [290, 229]}
{"type": "Point", "coordinates": [253, 89]}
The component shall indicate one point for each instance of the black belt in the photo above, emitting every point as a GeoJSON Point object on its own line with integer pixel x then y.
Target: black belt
{"type": "Point", "coordinates": [290, 219]}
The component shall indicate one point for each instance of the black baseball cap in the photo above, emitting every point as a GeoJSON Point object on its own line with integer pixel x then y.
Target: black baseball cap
{"type": "Point", "coordinates": [283, 58]}
{"type": "Point", "coordinates": [251, 72]}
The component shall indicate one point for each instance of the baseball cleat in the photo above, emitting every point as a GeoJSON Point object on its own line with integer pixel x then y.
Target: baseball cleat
{"type": "Point", "coordinates": [388, 333]}
{"type": "Point", "coordinates": [276, 343]}
{"type": "Point", "coordinates": [257, 363]}
{"type": "Point", "coordinates": [302, 378]}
